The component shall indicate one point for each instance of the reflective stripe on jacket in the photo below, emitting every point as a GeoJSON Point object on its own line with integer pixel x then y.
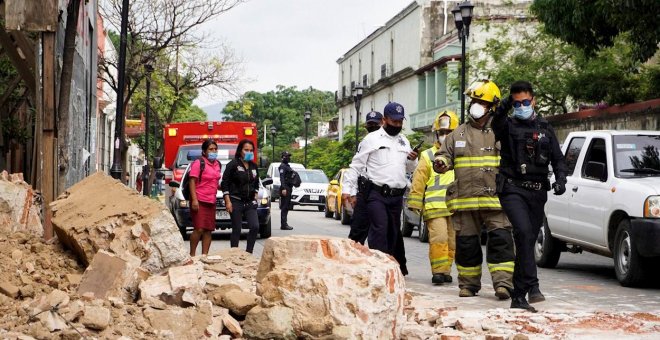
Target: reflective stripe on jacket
{"type": "Point", "coordinates": [429, 188]}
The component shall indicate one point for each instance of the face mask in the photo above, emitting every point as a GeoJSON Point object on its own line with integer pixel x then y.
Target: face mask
{"type": "Point", "coordinates": [441, 139]}
{"type": "Point", "coordinates": [212, 156]}
{"type": "Point", "coordinates": [249, 156]}
{"type": "Point", "coordinates": [477, 111]}
{"type": "Point", "coordinates": [392, 130]}
{"type": "Point", "coordinates": [523, 112]}
{"type": "Point", "coordinates": [372, 128]}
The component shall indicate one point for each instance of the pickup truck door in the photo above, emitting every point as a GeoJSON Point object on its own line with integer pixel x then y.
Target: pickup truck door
{"type": "Point", "coordinates": [591, 195]}
{"type": "Point", "coordinates": [556, 209]}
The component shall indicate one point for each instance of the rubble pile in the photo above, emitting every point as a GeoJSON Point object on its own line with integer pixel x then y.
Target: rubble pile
{"type": "Point", "coordinates": [20, 206]}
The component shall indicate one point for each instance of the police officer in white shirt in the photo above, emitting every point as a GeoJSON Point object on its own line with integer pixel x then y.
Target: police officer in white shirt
{"type": "Point", "coordinates": [385, 156]}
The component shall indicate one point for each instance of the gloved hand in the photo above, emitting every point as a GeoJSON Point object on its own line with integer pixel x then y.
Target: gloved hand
{"type": "Point", "coordinates": [507, 103]}
{"type": "Point", "coordinates": [559, 188]}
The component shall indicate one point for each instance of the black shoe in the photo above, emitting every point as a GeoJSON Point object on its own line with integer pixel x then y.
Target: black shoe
{"type": "Point", "coordinates": [438, 279]}
{"type": "Point", "coordinates": [448, 278]}
{"type": "Point", "coordinates": [535, 295]}
{"type": "Point", "coordinates": [287, 227]}
{"type": "Point", "coordinates": [520, 302]}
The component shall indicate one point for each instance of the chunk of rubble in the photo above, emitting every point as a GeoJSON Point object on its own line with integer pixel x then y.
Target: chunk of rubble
{"type": "Point", "coordinates": [20, 206]}
{"type": "Point", "coordinates": [331, 282]}
{"type": "Point", "coordinates": [110, 275]}
{"type": "Point", "coordinates": [101, 213]}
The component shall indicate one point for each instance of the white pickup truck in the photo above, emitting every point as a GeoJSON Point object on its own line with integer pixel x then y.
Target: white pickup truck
{"type": "Point", "coordinates": [611, 205]}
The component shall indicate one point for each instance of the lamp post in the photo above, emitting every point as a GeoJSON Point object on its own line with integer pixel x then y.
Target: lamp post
{"type": "Point", "coordinates": [462, 18]}
{"type": "Point", "coordinates": [146, 172]}
{"type": "Point", "coordinates": [308, 117]}
{"type": "Point", "coordinates": [273, 131]}
{"type": "Point", "coordinates": [357, 97]}
{"type": "Point", "coordinates": [116, 169]}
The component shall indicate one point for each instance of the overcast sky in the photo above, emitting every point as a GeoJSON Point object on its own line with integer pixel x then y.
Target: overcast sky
{"type": "Point", "coordinates": [296, 42]}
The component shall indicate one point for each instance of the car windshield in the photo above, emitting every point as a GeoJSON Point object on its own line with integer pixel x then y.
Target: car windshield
{"type": "Point", "coordinates": [636, 155]}
{"type": "Point", "coordinates": [307, 176]}
{"type": "Point", "coordinates": [189, 153]}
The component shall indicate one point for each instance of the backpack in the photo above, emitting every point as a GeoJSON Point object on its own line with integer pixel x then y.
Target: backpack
{"type": "Point", "coordinates": [185, 185]}
{"type": "Point", "coordinates": [295, 179]}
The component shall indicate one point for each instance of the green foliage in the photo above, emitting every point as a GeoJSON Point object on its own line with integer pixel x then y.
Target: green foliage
{"type": "Point", "coordinates": [594, 24]}
{"type": "Point", "coordinates": [283, 108]}
{"type": "Point", "coordinates": [13, 129]}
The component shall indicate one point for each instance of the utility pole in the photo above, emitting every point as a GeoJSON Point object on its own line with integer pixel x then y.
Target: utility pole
{"type": "Point", "coordinates": [116, 169]}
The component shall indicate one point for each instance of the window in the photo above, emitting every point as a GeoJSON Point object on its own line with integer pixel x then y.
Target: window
{"type": "Point", "coordinates": [595, 154]}
{"type": "Point", "coordinates": [573, 152]}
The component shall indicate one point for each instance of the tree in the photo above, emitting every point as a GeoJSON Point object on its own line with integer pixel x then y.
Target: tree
{"type": "Point", "coordinates": [594, 24]}
{"type": "Point", "coordinates": [282, 108]}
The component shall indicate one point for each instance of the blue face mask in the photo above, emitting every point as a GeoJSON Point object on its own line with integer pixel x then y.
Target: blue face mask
{"type": "Point", "coordinates": [212, 156]}
{"type": "Point", "coordinates": [249, 156]}
{"type": "Point", "coordinates": [523, 112]}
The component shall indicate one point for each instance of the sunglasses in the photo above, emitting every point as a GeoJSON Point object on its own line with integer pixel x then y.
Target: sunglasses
{"type": "Point", "coordinates": [524, 102]}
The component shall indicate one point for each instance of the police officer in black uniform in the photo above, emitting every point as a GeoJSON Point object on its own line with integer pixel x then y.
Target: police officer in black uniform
{"type": "Point", "coordinates": [360, 218]}
{"type": "Point", "coordinates": [286, 187]}
{"type": "Point", "coordinates": [529, 145]}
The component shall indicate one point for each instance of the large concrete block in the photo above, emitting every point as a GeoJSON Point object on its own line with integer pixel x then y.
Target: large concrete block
{"type": "Point", "coordinates": [20, 206]}
{"type": "Point", "coordinates": [108, 275]}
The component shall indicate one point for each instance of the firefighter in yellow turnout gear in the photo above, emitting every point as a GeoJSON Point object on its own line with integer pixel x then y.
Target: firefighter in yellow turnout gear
{"type": "Point", "coordinates": [472, 152]}
{"type": "Point", "coordinates": [428, 193]}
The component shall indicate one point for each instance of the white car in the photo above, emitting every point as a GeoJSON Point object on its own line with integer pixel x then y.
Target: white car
{"type": "Point", "coordinates": [611, 205]}
{"type": "Point", "coordinates": [312, 190]}
{"type": "Point", "coordinates": [274, 173]}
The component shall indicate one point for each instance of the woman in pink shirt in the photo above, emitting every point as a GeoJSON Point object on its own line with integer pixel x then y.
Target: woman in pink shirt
{"type": "Point", "coordinates": [203, 188]}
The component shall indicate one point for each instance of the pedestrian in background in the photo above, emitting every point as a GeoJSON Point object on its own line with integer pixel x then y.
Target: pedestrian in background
{"type": "Point", "coordinates": [471, 151]}
{"type": "Point", "coordinates": [240, 186]}
{"type": "Point", "coordinates": [385, 156]}
{"type": "Point", "coordinates": [138, 182]}
{"type": "Point", "coordinates": [360, 218]}
{"type": "Point", "coordinates": [428, 198]}
{"type": "Point", "coordinates": [203, 189]}
{"type": "Point", "coordinates": [529, 146]}
{"type": "Point", "coordinates": [286, 187]}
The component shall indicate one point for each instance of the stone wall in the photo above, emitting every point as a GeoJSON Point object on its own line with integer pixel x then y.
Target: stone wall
{"type": "Point", "coordinates": [636, 116]}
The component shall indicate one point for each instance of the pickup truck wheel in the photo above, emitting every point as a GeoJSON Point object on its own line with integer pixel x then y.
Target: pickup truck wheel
{"type": "Point", "coordinates": [547, 248]}
{"type": "Point", "coordinates": [406, 228]}
{"type": "Point", "coordinates": [628, 264]}
{"type": "Point", "coordinates": [337, 213]}
{"type": "Point", "coordinates": [265, 230]}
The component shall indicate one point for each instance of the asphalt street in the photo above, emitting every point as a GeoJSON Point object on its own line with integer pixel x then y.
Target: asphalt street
{"type": "Point", "coordinates": [580, 282]}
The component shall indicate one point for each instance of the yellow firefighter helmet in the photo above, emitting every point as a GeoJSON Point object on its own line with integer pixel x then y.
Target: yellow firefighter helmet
{"type": "Point", "coordinates": [484, 90]}
{"type": "Point", "coordinates": [446, 120]}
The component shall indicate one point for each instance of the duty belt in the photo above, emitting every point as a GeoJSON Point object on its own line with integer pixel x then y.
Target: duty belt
{"type": "Point", "coordinates": [386, 191]}
{"type": "Point", "coordinates": [529, 185]}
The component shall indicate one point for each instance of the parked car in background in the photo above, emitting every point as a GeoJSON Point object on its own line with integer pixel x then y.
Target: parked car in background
{"type": "Point", "coordinates": [274, 173]}
{"type": "Point", "coordinates": [411, 220]}
{"type": "Point", "coordinates": [612, 203]}
{"type": "Point", "coordinates": [180, 207]}
{"type": "Point", "coordinates": [312, 189]}
{"type": "Point", "coordinates": [334, 206]}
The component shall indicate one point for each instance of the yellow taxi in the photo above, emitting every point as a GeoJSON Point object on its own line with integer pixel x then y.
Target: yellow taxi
{"type": "Point", "coordinates": [334, 207]}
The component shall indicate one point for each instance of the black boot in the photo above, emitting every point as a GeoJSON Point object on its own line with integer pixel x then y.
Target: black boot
{"type": "Point", "coordinates": [521, 302]}
{"type": "Point", "coordinates": [535, 295]}
{"type": "Point", "coordinates": [448, 278]}
{"type": "Point", "coordinates": [287, 227]}
{"type": "Point", "coordinates": [438, 279]}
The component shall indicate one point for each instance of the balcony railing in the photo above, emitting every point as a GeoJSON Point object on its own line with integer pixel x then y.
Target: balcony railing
{"type": "Point", "coordinates": [425, 117]}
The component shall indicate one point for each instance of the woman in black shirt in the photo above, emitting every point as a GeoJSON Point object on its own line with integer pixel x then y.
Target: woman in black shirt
{"type": "Point", "coordinates": [240, 185]}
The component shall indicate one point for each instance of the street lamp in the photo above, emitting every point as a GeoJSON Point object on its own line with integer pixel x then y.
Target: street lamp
{"type": "Point", "coordinates": [357, 97]}
{"type": "Point", "coordinates": [308, 116]}
{"type": "Point", "coordinates": [273, 131]}
{"type": "Point", "coordinates": [146, 172]}
{"type": "Point", "coordinates": [462, 18]}
{"type": "Point", "coordinates": [116, 169]}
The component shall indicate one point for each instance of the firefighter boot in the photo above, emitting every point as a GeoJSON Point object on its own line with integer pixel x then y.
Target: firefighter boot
{"type": "Point", "coordinates": [464, 292]}
{"type": "Point", "coordinates": [502, 293]}
{"type": "Point", "coordinates": [448, 278]}
{"type": "Point", "coordinates": [438, 279]}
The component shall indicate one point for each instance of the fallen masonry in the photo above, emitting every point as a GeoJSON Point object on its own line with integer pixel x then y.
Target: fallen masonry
{"type": "Point", "coordinates": [106, 276]}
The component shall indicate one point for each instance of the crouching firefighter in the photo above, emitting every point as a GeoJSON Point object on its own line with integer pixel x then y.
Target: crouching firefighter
{"type": "Point", "coordinates": [427, 195]}
{"type": "Point", "coordinates": [472, 153]}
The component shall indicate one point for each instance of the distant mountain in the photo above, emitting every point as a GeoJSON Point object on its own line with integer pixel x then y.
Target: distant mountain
{"type": "Point", "coordinates": [214, 112]}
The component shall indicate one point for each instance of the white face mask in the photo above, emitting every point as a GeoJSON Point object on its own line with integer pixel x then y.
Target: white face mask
{"type": "Point", "coordinates": [442, 138]}
{"type": "Point", "coordinates": [477, 111]}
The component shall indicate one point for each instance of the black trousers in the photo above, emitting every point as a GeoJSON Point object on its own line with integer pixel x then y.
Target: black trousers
{"type": "Point", "coordinates": [385, 227]}
{"type": "Point", "coordinates": [247, 210]}
{"type": "Point", "coordinates": [524, 208]}
{"type": "Point", "coordinates": [359, 220]}
{"type": "Point", "coordinates": [285, 202]}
